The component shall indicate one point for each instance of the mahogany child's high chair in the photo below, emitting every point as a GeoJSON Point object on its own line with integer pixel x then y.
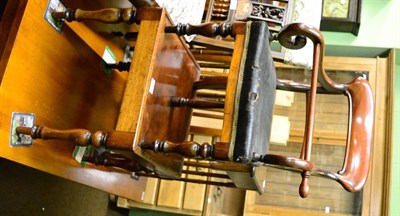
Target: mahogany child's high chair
{"type": "Point", "coordinates": [250, 87]}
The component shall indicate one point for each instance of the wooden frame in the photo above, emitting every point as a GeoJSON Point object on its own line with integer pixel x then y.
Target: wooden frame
{"type": "Point", "coordinates": [351, 23]}
{"type": "Point", "coordinates": [375, 192]}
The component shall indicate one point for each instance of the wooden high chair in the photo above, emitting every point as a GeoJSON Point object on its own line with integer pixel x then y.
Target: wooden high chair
{"type": "Point", "coordinates": [157, 145]}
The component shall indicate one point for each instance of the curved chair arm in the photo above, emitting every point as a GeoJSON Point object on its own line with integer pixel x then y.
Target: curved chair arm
{"type": "Point", "coordinates": [354, 171]}
{"type": "Point", "coordinates": [356, 165]}
{"type": "Point", "coordinates": [303, 30]}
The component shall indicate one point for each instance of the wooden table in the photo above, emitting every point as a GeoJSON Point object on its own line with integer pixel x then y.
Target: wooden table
{"type": "Point", "coordinates": [57, 77]}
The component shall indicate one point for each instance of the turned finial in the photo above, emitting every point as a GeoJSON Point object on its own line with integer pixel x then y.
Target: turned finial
{"type": "Point", "coordinates": [304, 188]}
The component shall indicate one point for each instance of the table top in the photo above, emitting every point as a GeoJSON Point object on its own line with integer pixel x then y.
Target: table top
{"type": "Point", "coordinates": [68, 90]}
{"type": "Point", "coordinates": [162, 68]}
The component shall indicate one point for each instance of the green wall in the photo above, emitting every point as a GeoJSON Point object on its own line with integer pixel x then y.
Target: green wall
{"type": "Point", "coordinates": [379, 27]}
{"type": "Point", "coordinates": [395, 195]}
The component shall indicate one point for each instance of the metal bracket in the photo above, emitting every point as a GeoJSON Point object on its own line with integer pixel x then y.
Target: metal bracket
{"type": "Point", "coordinates": [17, 120]}
{"type": "Point", "coordinates": [54, 5]}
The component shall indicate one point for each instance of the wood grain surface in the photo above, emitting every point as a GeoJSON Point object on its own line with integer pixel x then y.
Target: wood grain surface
{"type": "Point", "coordinates": [57, 77]}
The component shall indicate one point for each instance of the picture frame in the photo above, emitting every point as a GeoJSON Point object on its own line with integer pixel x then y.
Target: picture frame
{"type": "Point", "coordinates": [341, 16]}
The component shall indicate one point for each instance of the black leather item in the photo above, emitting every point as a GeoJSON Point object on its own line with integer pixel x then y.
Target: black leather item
{"type": "Point", "coordinates": [256, 84]}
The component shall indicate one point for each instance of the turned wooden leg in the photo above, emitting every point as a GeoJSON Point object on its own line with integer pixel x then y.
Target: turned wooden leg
{"type": "Point", "coordinates": [108, 15]}
{"type": "Point", "coordinates": [82, 137]}
{"type": "Point", "coordinates": [195, 103]}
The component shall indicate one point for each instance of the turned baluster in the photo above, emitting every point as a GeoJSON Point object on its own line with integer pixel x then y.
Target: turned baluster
{"type": "Point", "coordinates": [187, 149]}
{"type": "Point", "coordinates": [82, 137]}
{"type": "Point", "coordinates": [108, 15]}
{"type": "Point", "coordinates": [207, 29]}
{"type": "Point", "coordinates": [195, 103]}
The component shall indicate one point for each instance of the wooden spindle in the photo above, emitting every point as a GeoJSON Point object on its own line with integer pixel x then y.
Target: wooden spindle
{"type": "Point", "coordinates": [108, 15]}
{"type": "Point", "coordinates": [211, 82]}
{"type": "Point", "coordinates": [186, 149]}
{"type": "Point", "coordinates": [206, 29]}
{"type": "Point", "coordinates": [82, 137]}
{"type": "Point", "coordinates": [195, 103]}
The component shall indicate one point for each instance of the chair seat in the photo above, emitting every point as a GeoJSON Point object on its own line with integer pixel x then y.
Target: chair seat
{"type": "Point", "coordinates": [255, 96]}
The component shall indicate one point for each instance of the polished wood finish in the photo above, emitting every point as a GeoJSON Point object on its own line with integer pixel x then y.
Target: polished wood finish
{"type": "Point", "coordinates": [371, 197]}
{"type": "Point", "coordinates": [152, 81]}
{"type": "Point", "coordinates": [61, 82]}
{"type": "Point", "coordinates": [211, 82]}
{"type": "Point", "coordinates": [112, 140]}
{"type": "Point", "coordinates": [231, 88]}
{"type": "Point", "coordinates": [109, 15]}
{"type": "Point", "coordinates": [144, 3]}
{"type": "Point", "coordinates": [208, 29]}
{"type": "Point", "coordinates": [359, 152]}
{"type": "Point", "coordinates": [11, 16]}
{"type": "Point", "coordinates": [187, 149]}
{"type": "Point", "coordinates": [153, 106]}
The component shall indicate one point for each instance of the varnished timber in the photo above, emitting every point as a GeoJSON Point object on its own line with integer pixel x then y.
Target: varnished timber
{"type": "Point", "coordinates": [116, 140]}
{"type": "Point", "coordinates": [355, 169]}
{"type": "Point", "coordinates": [231, 88]}
{"type": "Point", "coordinates": [9, 24]}
{"type": "Point", "coordinates": [61, 83]}
{"type": "Point", "coordinates": [108, 15]}
{"type": "Point", "coordinates": [144, 3]}
{"type": "Point", "coordinates": [211, 82]}
{"type": "Point", "coordinates": [208, 29]}
{"type": "Point", "coordinates": [159, 64]}
{"type": "Point", "coordinates": [372, 193]}
{"type": "Point", "coordinates": [188, 149]}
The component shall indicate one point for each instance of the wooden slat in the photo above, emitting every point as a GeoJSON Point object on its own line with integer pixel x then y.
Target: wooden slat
{"type": "Point", "coordinates": [171, 194]}
{"type": "Point", "coordinates": [135, 87]}
{"type": "Point", "coordinates": [377, 169]}
{"type": "Point", "coordinates": [259, 210]}
{"type": "Point", "coordinates": [151, 191]}
{"type": "Point", "coordinates": [205, 130]}
{"type": "Point", "coordinates": [231, 87]}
